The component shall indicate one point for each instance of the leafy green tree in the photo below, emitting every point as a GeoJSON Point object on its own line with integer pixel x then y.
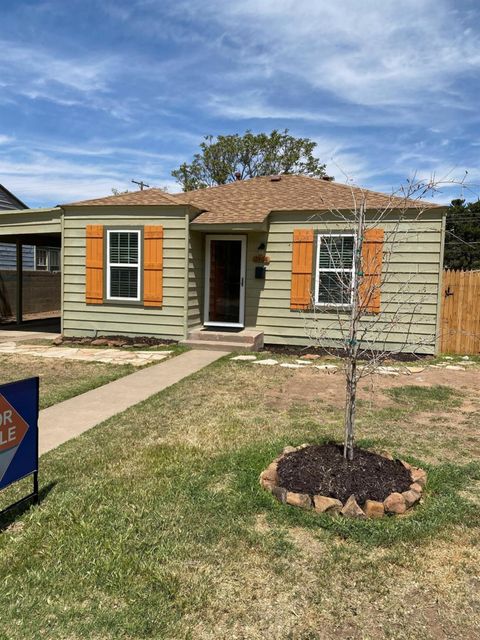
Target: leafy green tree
{"type": "Point", "coordinates": [226, 158]}
{"type": "Point", "coordinates": [462, 240]}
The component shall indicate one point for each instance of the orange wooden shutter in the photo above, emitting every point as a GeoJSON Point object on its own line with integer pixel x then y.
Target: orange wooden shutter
{"type": "Point", "coordinates": [153, 266]}
{"type": "Point", "coordinates": [302, 266]}
{"type": "Point", "coordinates": [94, 264]}
{"type": "Point", "coordinates": [372, 257]}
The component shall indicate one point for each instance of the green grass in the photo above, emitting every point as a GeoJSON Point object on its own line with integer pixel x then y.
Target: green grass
{"type": "Point", "coordinates": [426, 398]}
{"type": "Point", "coordinates": [154, 525]}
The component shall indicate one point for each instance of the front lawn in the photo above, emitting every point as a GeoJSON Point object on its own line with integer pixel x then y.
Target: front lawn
{"type": "Point", "coordinates": [60, 379]}
{"type": "Point", "coordinates": [153, 525]}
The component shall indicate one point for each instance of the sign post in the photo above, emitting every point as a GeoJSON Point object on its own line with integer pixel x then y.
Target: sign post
{"type": "Point", "coordinates": [19, 435]}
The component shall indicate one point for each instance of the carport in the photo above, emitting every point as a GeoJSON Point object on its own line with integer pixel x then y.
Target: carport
{"type": "Point", "coordinates": [37, 227]}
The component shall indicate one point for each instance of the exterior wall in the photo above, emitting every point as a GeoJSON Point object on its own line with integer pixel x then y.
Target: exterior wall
{"type": "Point", "coordinates": [196, 275]}
{"type": "Point", "coordinates": [8, 257]}
{"type": "Point", "coordinates": [9, 201]}
{"type": "Point", "coordinates": [80, 319]}
{"type": "Point", "coordinates": [414, 267]}
{"type": "Point", "coordinates": [41, 292]}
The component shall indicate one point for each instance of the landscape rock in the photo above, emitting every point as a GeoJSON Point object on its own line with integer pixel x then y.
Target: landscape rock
{"type": "Point", "coordinates": [374, 509]}
{"type": "Point", "coordinates": [406, 465]}
{"type": "Point", "coordinates": [387, 371]}
{"type": "Point", "coordinates": [244, 358]}
{"type": "Point", "coordinates": [416, 487]}
{"type": "Point", "coordinates": [303, 363]}
{"type": "Point", "coordinates": [267, 362]}
{"type": "Point", "coordinates": [116, 342]}
{"type": "Point", "coordinates": [57, 341]}
{"type": "Point", "coordinates": [323, 504]}
{"type": "Point", "coordinates": [352, 509]}
{"type": "Point", "coordinates": [289, 449]}
{"type": "Point", "coordinates": [299, 500]}
{"type": "Point", "coordinates": [100, 342]}
{"type": "Point", "coordinates": [310, 356]}
{"type": "Point", "coordinates": [465, 357]}
{"type": "Point", "coordinates": [411, 497]}
{"type": "Point", "coordinates": [419, 476]}
{"type": "Point", "coordinates": [415, 369]}
{"type": "Point", "coordinates": [280, 493]}
{"type": "Point", "coordinates": [395, 503]}
{"type": "Point", "coordinates": [270, 474]}
{"type": "Point", "coordinates": [454, 367]}
{"type": "Point", "coordinates": [387, 455]}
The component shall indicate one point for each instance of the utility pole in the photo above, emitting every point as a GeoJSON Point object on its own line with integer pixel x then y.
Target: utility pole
{"type": "Point", "coordinates": [141, 184]}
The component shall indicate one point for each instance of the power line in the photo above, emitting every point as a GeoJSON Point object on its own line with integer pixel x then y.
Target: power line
{"type": "Point", "coordinates": [469, 244]}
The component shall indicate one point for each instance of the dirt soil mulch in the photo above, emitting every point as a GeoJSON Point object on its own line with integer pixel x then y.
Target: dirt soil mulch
{"type": "Point", "coordinates": [322, 469]}
{"type": "Point", "coordinates": [298, 351]}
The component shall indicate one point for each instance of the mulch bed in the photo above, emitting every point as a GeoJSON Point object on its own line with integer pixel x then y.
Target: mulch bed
{"type": "Point", "coordinates": [127, 341]}
{"type": "Point", "coordinates": [322, 469]}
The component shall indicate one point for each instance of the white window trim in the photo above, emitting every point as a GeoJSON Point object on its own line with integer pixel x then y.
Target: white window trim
{"type": "Point", "coordinates": [48, 259]}
{"type": "Point", "coordinates": [344, 305]}
{"type": "Point", "coordinates": [123, 264]}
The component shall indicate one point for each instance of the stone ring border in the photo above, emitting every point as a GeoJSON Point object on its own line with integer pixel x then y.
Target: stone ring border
{"type": "Point", "coordinates": [394, 504]}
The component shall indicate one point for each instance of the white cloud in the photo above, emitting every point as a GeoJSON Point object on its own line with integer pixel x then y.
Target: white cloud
{"type": "Point", "coordinates": [367, 52]}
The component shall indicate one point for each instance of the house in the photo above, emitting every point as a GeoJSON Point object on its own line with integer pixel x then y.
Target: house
{"type": "Point", "coordinates": [8, 252]}
{"type": "Point", "coordinates": [246, 257]}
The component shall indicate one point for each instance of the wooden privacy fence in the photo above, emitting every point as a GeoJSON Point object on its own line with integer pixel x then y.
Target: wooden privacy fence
{"type": "Point", "coordinates": [460, 321]}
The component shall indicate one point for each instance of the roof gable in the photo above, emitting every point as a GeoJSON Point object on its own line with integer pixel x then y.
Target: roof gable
{"type": "Point", "coordinates": [145, 197]}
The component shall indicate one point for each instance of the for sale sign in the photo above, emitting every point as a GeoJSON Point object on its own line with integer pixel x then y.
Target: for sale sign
{"type": "Point", "coordinates": [18, 430]}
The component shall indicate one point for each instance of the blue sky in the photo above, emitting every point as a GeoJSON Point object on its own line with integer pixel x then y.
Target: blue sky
{"type": "Point", "coordinates": [94, 93]}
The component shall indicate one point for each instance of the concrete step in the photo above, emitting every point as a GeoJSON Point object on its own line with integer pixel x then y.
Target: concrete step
{"type": "Point", "coordinates": [217, 345]}
{"type": "Point", "coordinates": [246, 337]}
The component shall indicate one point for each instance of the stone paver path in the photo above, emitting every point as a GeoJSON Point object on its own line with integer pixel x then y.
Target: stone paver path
{"type": "Point", "coordinates": [400, 369]}
{"type": "Point", "coordinates": [111, 356]}
{"type": "Point", "coordinates": [68, 419]}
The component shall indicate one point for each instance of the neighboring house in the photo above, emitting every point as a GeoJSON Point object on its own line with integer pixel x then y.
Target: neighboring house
{"type": "Point", "coordinates": [247, 254]}
{"type": "Point", "coordinates": [8, 252]}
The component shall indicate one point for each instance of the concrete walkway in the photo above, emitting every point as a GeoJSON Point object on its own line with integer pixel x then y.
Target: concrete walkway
{"type": "Point", "coordinates": [69, 419]}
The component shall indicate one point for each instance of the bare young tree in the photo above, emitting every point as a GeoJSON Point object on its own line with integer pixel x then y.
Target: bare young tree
{"type": "Point", "coordinates": [353, 257]}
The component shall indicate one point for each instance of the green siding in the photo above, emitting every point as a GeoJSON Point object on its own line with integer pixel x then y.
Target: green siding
{"type": "Point", "coordinates": [196, 274]}
{"type": "Point", "coordinates": [81, 319]}
{"type": "Point", "coordinates": [414, 262]}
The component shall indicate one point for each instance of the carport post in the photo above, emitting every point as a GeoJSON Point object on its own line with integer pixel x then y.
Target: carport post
{"type": "Point", "coordinates": [19, 282]}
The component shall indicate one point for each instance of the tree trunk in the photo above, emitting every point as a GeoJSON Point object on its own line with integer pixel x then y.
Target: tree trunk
{"type": "Point", "coordinates": [352, 346]}
{"type": "Point", "coordinates": [350, 408]}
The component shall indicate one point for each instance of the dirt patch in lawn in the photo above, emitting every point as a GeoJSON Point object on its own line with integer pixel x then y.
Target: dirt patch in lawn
{"type": "Point", "coordinates": [310, 384]}
{"type": "Point", "coordinates": [322, 470]}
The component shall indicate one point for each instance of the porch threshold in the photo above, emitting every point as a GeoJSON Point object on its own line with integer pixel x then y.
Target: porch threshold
{"type": "Point", "coordinates": [233, 339]}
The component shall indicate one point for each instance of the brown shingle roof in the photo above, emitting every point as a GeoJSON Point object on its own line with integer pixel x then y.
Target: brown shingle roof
{"type": "Point", "coordinates": [252, 200]}
{"type": "Point", "coordinates": [145, 197]}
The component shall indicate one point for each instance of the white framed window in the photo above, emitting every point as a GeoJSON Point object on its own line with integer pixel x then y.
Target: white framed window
{"type": "Point", "coordinates": [41, 259]}
{"type": "Point", "coordinates": [47, 259]}
{"type": "Point", "coordinates": [334, 272]}
{"type": "Point", "coordinates": [123, 265]}
{"type": "Point", "coordinates": [54, 260]}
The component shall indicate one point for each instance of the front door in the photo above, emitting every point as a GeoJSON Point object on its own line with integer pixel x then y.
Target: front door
{"type": "Point", "coordinates": [225, 281]}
